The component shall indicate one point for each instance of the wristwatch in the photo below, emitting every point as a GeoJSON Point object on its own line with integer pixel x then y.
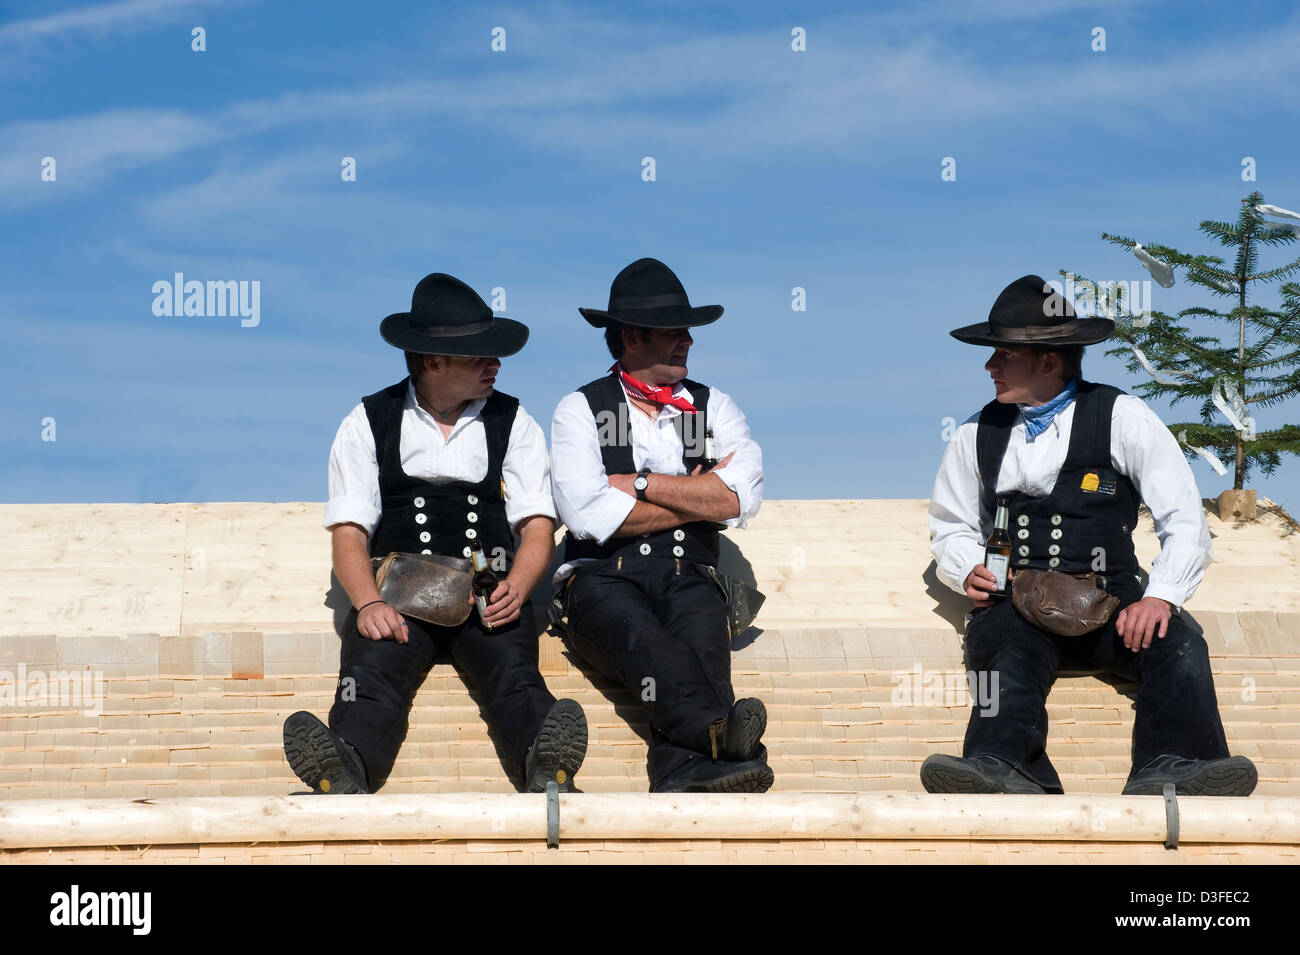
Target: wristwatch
{"type": "Point", "coordinates": [641, 483]}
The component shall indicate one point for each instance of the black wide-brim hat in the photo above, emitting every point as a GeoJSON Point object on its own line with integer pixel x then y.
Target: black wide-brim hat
{"type": "Point", "coordinates": [447, 317]}
{"type": "Point", "coordinates": [647, 294]}
{"type": "Point", "coordinates": [1031, 312]}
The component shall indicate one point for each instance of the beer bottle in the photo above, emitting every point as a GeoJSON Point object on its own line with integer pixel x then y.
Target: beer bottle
{"type": "Point", "coordinates": [997, 549]}
{"type": "Point", "coordinates": [484, 581]}
{"type": "Point", "coordinates": [710, 455]}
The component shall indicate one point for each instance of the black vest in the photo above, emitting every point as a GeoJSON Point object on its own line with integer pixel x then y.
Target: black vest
{"type": "Point", "coordinates": [696, 541]}
{"type": "Point", "coordinates": [441, 517]}
{"type": "Point", "coordinates": [1086, 523]}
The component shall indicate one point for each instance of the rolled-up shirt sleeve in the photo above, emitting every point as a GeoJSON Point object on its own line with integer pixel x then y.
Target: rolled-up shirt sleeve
{"type": "Point", "coordinates": [353, 475]}
{"type": "Point", "coordinates": [1148, 453]}
{"type": "Point", "coordinates": [527, 472]}
{"type": "Point", "coordinates": [956, 540]}
{"type": "Point", "coordinates": [744, 472]}
{"type": "Point", "coordinates": [584, 500]}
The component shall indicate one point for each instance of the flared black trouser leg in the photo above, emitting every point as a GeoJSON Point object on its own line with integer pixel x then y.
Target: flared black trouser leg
{"type": "Point", "coordinates": [1176, 709]}
{"type": "Point", "coordinates": [659, 627]}
{"type": "Point", "coordinates": [379, 678]}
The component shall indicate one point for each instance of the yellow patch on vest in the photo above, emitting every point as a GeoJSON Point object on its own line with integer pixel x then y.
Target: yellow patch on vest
{"type": "Point", "coordinates": [1090, 481]}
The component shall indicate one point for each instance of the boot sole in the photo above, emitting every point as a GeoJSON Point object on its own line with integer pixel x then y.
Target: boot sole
{"type": "Point", "coordinates": [937, 777]}
{"type": "Point", "coordinates": [314, 757]}
{"type": "Point", "coordinates": [561, 747]}
{"type": "Point", "coordinates": [750, 734]}
{"type": "Point", "coordinates": [1234, 780]}
{"type": "Point", "coordinates": [745, 781]}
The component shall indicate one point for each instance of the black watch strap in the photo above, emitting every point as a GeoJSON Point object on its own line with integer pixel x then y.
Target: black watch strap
{"type": "Point", "coordinates": [643, 474]}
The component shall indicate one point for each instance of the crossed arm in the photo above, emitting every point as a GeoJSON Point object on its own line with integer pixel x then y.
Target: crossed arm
{"type": "Point", "coordinates": [676, 499]}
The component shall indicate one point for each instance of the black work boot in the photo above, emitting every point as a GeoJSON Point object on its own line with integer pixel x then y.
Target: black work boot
{"type": "Point", "coordinates": [703, 775]}
{"type": "Point", "coordinates": [1231, 776]}
{"type": "Point", "coordinates": [981, 773]}
{"type": "Point", "coordinates": [736, 737]}
{"type": "Point", "coordinates": [321, 758]}
{"type": "Point", "coordinates": [558, 750]}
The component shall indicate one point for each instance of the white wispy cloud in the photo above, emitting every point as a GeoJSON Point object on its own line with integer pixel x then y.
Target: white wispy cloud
{"type": "Point", "coordinates": [98, 19]}
{"type": "Point", "coordinates": [708, 93]}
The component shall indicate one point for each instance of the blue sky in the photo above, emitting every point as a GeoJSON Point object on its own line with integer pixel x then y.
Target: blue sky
{"type": "Point", "coordinates": [522, 170]}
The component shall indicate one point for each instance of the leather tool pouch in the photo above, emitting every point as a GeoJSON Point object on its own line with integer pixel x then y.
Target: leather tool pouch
{"type": "Point", "coordinates": [743, 601]}
{"type": "Point", "coordinates": [1062, 603]}
{"type": "Point", "coordinates": [428, 587]}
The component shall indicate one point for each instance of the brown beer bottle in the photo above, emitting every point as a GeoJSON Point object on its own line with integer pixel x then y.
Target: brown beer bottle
{"type": "Point", "coordinates": [997, 549]}
{"type": "Point", "coordinates": [484, 581]}
{"type": "Point", "coordinates": [710, 454]}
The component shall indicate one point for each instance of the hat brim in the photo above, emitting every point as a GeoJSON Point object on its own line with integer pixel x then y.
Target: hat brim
{"type": "Point", "coordinates": [1091, 331]}
{"type": "Point", "coordinates": [657, 318]}
{"type": "Point", "coordinates": [504, 337]}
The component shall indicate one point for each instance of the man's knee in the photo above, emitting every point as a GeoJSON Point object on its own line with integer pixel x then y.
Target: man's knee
{"type": "Point", "coordinates": [1181, 652]}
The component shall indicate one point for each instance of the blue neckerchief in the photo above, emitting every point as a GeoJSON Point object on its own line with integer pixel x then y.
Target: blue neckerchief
{"type": "Point", "coordinates": [1037, 419]}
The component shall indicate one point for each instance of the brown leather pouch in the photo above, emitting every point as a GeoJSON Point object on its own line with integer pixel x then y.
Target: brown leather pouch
{"type": "Point", "coordinates": [428, 587]}
{"type": "Point", "coordinates": [1062, 603]}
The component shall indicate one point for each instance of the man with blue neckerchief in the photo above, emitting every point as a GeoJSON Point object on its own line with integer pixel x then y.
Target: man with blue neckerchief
{"type": "Point", "coordinates": [1073, 459]}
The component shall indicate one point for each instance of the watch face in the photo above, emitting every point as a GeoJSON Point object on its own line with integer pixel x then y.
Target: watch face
{"type": "Point", "coordinates": [640, 483]}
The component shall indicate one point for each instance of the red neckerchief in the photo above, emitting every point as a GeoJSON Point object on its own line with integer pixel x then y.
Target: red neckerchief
{"type": "Point", "coordinates": [660, 396]}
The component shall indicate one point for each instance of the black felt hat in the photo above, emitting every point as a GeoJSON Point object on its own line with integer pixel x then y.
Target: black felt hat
{"type": "Point", "coordinates": [447, 317]}
{"type": "Point", "coordinates": [647, 294]}
{"type": "Point", "coordinates": [1031, 312]}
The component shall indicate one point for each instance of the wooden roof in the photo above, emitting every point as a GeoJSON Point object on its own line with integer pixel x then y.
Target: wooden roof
{"type": "Point", "coordinates": [212, 622]}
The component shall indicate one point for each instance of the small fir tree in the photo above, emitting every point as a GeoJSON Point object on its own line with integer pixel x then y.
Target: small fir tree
{"type": "Point", "coordinates": [1258, 366]}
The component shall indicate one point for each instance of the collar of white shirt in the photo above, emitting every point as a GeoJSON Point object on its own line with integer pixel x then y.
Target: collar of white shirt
{"type": "Point", "coordinates": [470, 412]}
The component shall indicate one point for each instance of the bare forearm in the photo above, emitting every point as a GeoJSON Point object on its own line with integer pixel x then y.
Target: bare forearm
{"type": "Point", "coordinates": [352, 564]}
{"type": "Point", "coordinates": [646, 518]}
{"type": "Point", "coordinates": [702, 497]}
{"type": "Point", "coordinates": [536, 546]}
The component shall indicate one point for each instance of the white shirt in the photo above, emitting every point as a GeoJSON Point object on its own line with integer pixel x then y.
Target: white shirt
{"type": "Point", "coordinates": [1141, 447]}
{"type": "Point", "coordinates": [429, 456]}
{"type": "Point", "coordinates": [592, 509]}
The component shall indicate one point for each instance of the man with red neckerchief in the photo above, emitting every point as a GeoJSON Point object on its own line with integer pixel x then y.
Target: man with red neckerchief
{"type": "Point", "coordinates": [634, 485]}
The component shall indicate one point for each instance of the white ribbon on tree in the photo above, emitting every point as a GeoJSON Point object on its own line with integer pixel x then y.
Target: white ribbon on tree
{"type": "Point", "coordinates": [1268, 210]}
{"type": "Point", "coordinates": [1206, 453]}
{"type": "Point", "coordinates": [1225, 396]}
{"type": "Point", "coordinates": [1157, 375]}
{"type": "Point", "coordinates": [1227, 399]}
{"type": "Point", "coordinates": [1161, 272]}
